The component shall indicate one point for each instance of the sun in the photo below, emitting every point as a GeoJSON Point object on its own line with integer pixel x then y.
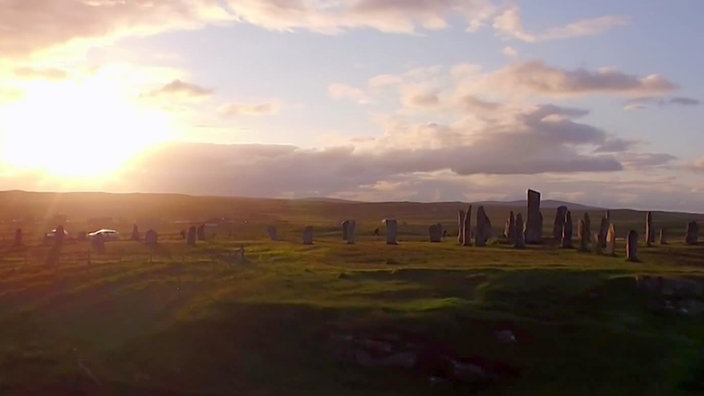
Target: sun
{"type": "Point", "coordinates": [77, 129]}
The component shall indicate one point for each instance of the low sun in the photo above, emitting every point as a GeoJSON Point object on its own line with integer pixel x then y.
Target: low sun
{"type": "Point", "coordinates": [77, 129]}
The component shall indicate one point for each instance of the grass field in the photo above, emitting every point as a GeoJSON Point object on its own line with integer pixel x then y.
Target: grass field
{"type": "Point", "coordinates": [300, 320]}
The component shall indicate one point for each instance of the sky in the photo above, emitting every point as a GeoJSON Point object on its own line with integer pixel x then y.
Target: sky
{"type": "Point", "coordinates": [597, 102]}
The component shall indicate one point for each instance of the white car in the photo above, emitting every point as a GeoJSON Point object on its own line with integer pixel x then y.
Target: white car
{"type": "Point", "coordinates": [108, 235]}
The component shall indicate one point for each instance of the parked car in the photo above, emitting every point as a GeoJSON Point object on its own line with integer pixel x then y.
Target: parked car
{"type": "Point", "coordinates": [108, 235]}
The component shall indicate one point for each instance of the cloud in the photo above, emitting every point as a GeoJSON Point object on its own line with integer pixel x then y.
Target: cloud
{"type": "Point", "coordinates": [508, 24]}
{"type": "Point", "coordinates": [235, 109]}
{"type": "Point", "coordinates": [509, 51]}
{"type": "Point", "coordinates": [419, 97]}
{"type": "Point", "coordinates": [642, 103]}
{"type": "Point", "coordinates": [696, 165]}
{"type": "Point", "coordinates": [31, 73]}
{"type": "Point", "coordinates": [178, 88]}
{"type": "Point", "coordinates": [339, 91]}
{"type": "Point", "coordinates": [538, 78]}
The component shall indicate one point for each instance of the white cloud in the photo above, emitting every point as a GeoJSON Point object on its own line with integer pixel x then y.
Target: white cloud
{"type": "Point", "coordinates": [509, 51]}
{"type": "Point", "coordinates": [235, 109]}
{"type": "Point", "coordinates": [339, 91]}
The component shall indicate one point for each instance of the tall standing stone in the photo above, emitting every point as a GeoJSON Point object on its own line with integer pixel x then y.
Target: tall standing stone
{"type": "Point", "coordinates": [649, 232]}
{"type": "Point", "coordinates": [391, 230]}
{"type": "Point", "coordinates": [596, 243]}
{"type": "Point", "coordinates": [435, 233]}
{"type": "Point", "coordinates": [272, 233]}
{"type": "Point", "coordinates": [604, 229]}
{"type": "Point", "coordinates": [135, 233]}
{"type": "Point", "coordinates": [510, 228]}
{"type": "Point", "coordinates": [59, 235]}
{"type": "Point", "coordinates": [692, 235]}
{"type": "Point", "coordinates": [632, 246]}
{"type": "Point", "coordinates": [663, 236]}
{"type": "Point", "coordinates": [583, 236]}
{"type": "Point", "coordinates": [559, 223]}
{"type": "Point", "coordinates": [191, 236]}
{"type": "Point", "coordinates": [201, 232]}
{"type": "Point", "coordinates": [518, 237]}
{"type": "Point", "coordinates": [351, 228]}
{"type": "Point", "coordinates": [566, 237]}
{"type": "Point", "coordinates": [99, 243]}
{"type": "Point", "coordinates": [308, 235]}
{"type": "Point", "coordinates": [460, 226]}
{"type": "Point", "coordinates": [483, 232]}
{"type": "Point", "coordinates": [467, 230]}
{"type": "Point", "coordinates": [611, 240]}
{"type": "Point", "coordinates": [345, 224]}
{"type": "Point", "coordinates": [586, 232]}
{"type": "Point", "coordinates": [151, 237]}
{"type": "Point", "coordinates": [533, 228]}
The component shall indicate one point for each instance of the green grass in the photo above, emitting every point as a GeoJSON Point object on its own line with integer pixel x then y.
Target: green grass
{"type": "Point", "coordinates": [182, 320]}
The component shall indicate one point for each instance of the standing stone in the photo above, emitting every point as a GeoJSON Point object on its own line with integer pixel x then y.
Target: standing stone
{"type": "Point", "coordinates": [308, 235]}
{"type": "Point", "coordinates": [151, 237]}
{"type": "Point", "coordinates": [566, 236]}
{"type": "Point", "coordinates": [692, 235]}
{"type": "Point", "coordinates": [649, 232]}
{"type": "Point", "coordinates": [435, 233]}
{"type": "Point", "coordinates": [632, 246]}
{"type": "Point", "coordinates": [135, 233]}
{"type": "Point", "coordinates": [604, 229]}
{"type": "Point", "coordinates": [344, 225]}
{"type": "Point", "coordinates": [99, 243]}
{"type": "Point", "coordinates": [586, 232]}
{"type": "Point", "coordinates": [467, 230]}
{"type": "Point", "coordinates": [201, 232]}
{"type": "Point", "coordinates": [18, 237]}
{"type": "Point", "coordinates": [191, 236]}
{"type": "Point", "coordinates": [611, 241]}
{"type": "Point", "coordinates": [460, 227]}
{"type": "Point", "coordinates": [351, 227]}
{"type": "Point", "coordinates": [583, 236]}
{"type": "Point", "coordinates": [596, 244]}
{"type": "Point", "coordinates": [559, 222]}
{"type": "Point", "coordinates": [483, 232]}
{"type": "Point", "coordinates": [533, 228]}
{"type": "Point", "coordinates": [59, 235]}
{"type": "Point", "coordinates": [518, 238]}
{"type": "Point", "coordinates": [272, 233]}
{"type": "Point", "coordinates": [391, 230]}
{"type": "Point", "coordinates": [510, 228]}
{"type": "Point", "coordinates": [663, 236]}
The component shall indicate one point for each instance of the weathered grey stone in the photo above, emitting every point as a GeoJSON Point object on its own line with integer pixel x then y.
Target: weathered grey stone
{"type": "Point", "coordinates": [510, 228]}
{"type": "Point", "coordinates": [649, 232]}
{"type": "Point", "coordinates": [566, 238]}
{"type": "Point", "coordinates": [692, 235]}
{"type": "Point", "coordinates": [351, 228]}
{"type": "Point", "coordinates": [191, 236]}
{"type": "Point", "coordinates": [345, 225]}
{"type": "Point", "coordinates": [583, 236]}
{"type": "Point", "coordinates": [483, 232]}
{"type": "Point", "coordinates": [558, 223]}
{"type": "Point", "coordinates": [201, 232]}
{"type": "Point", "coordinates": [533, 228]}
{"type": "Point", "coordinates": [468, 227]}
{"type": "Point", "coordinates": [391, 230]}
{"type": "Point", "coordinates": [135, 233]}
{"type": "Point", "coordinates": [596, 244]}
{"type": "Point", "coordinates": [435, 233]}
{"type": "Point", "coordinates": [272, 233]}
{"type": "Point", "coordinates": [611, 240]}
{"type": "Point", "coordinates": [519, 241]}
{"type": "Point", "coordinates": [632, 246]}
{"type": "Point", "coordinates": [604, 229]}
{"type": "Point", "coordinates": [308, 235]}
{"type": "Point", "coordinates": [663, 236]}
{"type": "Point", "coordinates": [586, 233]}
{"type": "Point", "coordinates": [151, 237]}
{"type": "Point", "coordinates": [460, 226]}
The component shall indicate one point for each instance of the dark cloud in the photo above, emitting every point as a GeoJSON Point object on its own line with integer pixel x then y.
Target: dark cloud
{"type": "Point", "coordinates": [179, 88]}
{"type": "Point", "coordinates": [643, 102]}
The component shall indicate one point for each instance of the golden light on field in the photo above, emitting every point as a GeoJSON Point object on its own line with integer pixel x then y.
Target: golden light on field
{"type": "Point", "coordinates": [77, 129]}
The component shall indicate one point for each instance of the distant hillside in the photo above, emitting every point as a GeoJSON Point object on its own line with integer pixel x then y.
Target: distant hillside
{"type": "Point", "coordinates": [545, 203]}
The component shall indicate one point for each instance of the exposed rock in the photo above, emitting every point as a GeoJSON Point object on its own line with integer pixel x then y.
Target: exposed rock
{"type": "Point", "coordinates": [663, 236]}
{"type": "Point", "coordinates": [151, 237]}
{"type": "Point", "coordinates": [191, 236]}
{"type": "Point", "coordinates": [467, 232]}
{"type": "Point", "coordinates": [272, 233]}
{"type": "Point", "coordinates": [604, 229]}
{"type": "Point", "coordinates": [558, 223]}
{"type": "Point", "coordinates": [533, 228]}
{"type": "Point", "coordinates": [583, 236]}
{"type": "Point", "coordinates": [566, 242]}
{"type": "Point", "coordinates": [649, 232]}
{"type": "Point", "coordinates": [307, 235]}
{"type": "Point", "coordinates": [692, 235]}
{"type": "Point", "coordinates": [135, 233]}
{"type": "Point", "coordinates": [632, 246]}
{"type": "Point", "coordinates": [351, 228]}
{"type": "Point", "coordinates": [59, 234]}
{"type": "Point", "coordinates": [596, 244]}
{"type": "Point", "coordinates": [611, 240]}
{"type": "Point", "coordinates": [483, 228]}
{"type": "Point", "coordinates": [391, 230]}
{"type": "Point", "coordinates": [344, 227]}
{"type": "Point", "coordinates": [510, 228]}
{"type": "Point", "coordinates": [460, 226]}
{"type": "Point", "coordinates": [587, 226]}
{"type": "Point", "coordinates": [435, 233]}
{"type": "Point", "coordinates": [518, 238]}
